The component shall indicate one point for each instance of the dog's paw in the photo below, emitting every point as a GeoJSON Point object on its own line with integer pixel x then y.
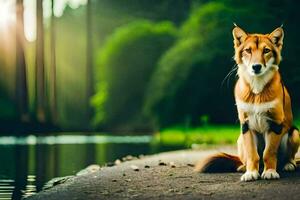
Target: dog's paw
{"type": "Point", "coordinates": [241, 168]}
{"type": "Point", "coordinates": [270, 174]}
{"type": "Point", "coordinates": [290, 166]}
{"type": "Point", "coordinates": [250, 176]}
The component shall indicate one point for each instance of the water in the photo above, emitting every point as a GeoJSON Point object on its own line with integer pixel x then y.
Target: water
{"type": "Point", "coordinates": [27, 163]}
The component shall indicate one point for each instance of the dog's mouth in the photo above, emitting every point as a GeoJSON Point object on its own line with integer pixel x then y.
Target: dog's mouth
{"type": "Point", "coordinates": [257, 72]}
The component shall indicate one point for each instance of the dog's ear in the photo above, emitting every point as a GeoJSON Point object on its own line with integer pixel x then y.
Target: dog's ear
{"type": "Point", "coordinates": [277, 37]}
{"type": "Point", "coordinates": [239, 36]}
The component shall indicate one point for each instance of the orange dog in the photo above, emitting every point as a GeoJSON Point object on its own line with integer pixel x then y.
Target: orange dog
{"type": "Point", "coordinates": [264, 110]}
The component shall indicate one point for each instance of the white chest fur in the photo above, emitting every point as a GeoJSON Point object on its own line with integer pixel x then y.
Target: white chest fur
{"type": "Point", "coordinates": [257, 114]}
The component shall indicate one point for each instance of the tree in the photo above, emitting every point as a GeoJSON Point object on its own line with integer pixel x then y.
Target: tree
{"type": "Point", "coordinates": [21, 79]}
{"type": "Point", "coordinates": [40, 72]}
{"type": "Point", "coordinates": [53, 93]}
{"type": "Point", "coordinates": [89, 59]}
{"type": "Point", "coordinates": [126, 63]}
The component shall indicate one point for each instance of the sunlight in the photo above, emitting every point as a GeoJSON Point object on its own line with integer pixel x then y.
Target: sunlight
{"type": "Point", "coordinates": [30, 20]}
{"type": "Point", "coordinates": [30, 13]}
{"type": "Point", "coordinates": [6, 14]}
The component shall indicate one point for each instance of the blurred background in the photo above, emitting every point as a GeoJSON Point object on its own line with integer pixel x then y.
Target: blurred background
{"type": "Point", "coordinates": [118, 77]}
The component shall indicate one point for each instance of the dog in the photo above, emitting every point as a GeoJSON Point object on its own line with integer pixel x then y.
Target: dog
{"type": "Point", "coordinates": [268, 137]}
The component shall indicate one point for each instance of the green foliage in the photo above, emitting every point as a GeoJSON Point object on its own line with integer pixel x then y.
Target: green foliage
{"type": "Point", "coordinates": [151, 72]}
{"type": "Point", "coordinates": [7, 109]}
{"type": "Point", "coordinates": [126, 63]}
{"type": "Point", "coordinates": [189, 75]}
{"type": "Point", "coordinates": [206, 135]}
{"type": "Point", "coordinates": [187, 83]}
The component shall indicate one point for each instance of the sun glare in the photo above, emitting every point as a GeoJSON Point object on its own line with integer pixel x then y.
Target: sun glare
{"type": "Point", "coordinates": [6, 14]}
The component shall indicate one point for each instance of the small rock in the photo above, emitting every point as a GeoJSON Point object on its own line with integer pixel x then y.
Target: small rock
{"type": "Point", "coordinates": [141, 156]}
{"type": "Point", "coordinates": [89, 169]}
{"type": "Point", "coordinates": [190, 165]}
{"type": "Point", "coordinates": [114, 180]}
{"type": "Point", "coordinates": [135, 168]}
{"type": "Point", "coordinates": [147, 166]}
{"type": "Point", "coordinates": [171, 190]}
{"type": "Point", "coordinates": [161, 163]}
{"type": "Point", "coordinates": [128, 180]}
{"type": "Point", "coordinates": [105, 192]}
{"type": "Point", "coordinates": [129, 158]}
{"type": "Point", "coordinates": [124, 174]}
{"type": "Point", "coordinates": [117, 162]}
{"type": "Point", "coordinates": [131, 190]}
{"type": "Point", "coordinates": [172, 165]}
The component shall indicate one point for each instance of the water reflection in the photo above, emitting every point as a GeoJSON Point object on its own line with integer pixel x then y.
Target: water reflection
{"type": "Point", "coordinates": [30, 186]}
{"type": "Point", "coordinates": [6, 189]}
{"type": "Point", "coordinates": [26, 163]}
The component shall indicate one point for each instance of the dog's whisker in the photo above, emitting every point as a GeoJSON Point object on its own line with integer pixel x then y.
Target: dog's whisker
{"type": "Point", "coordinates": [227, 77]}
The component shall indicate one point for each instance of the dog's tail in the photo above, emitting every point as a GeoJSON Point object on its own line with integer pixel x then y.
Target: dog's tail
{"type": "Point", "coordinates": [219, 162]}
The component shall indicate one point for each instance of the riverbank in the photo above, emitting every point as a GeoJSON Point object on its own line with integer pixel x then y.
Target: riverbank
{"type": "Point", "coordinates": [168, 176]}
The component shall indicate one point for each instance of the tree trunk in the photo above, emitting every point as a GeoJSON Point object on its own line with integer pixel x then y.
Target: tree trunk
{"type": "Point", "coordinates": [53, 99]}
{"type": "Point", "coordinates": [21, 78]}
{"type": "Point", "coordinates": [40, 74]}
{"type": "Point", "coordinates": [89, 59]}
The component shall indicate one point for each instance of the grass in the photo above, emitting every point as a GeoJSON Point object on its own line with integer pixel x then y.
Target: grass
{"type": "Point", "coordinates": [209, 134]}
{"type": "Point", "coordinates": [205, 135]}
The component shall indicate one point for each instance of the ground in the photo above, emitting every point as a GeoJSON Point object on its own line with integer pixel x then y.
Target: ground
{"type": "Point", "coordinates": [168, 176]}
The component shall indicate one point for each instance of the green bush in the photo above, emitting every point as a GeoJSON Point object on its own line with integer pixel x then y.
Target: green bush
{"type": "Point", "coordinates": [187, 83]}
{"type": "Point", "coordinates": [126, 63]}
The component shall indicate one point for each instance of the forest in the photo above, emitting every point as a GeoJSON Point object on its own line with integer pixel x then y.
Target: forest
{"type": "Point", "coordinates": [130, 66]}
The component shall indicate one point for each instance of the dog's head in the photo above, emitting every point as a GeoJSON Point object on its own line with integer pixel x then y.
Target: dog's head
{"type": "Point", "coordinates": [257, 54]}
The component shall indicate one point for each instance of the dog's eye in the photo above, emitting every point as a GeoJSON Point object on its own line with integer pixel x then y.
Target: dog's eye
{"type": "Point", "coordinates": [266, 50]}
{"type": "Point", "coordinates": [248, 50]}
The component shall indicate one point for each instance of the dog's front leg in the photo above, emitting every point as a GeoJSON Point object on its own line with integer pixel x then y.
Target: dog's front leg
{"type": "Point", "coordinates": [252, 157]}
{"type": "Point", "coordinates": [270, 155]}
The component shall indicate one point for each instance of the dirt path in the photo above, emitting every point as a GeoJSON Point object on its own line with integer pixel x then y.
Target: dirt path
{"type": "Point", "coordinates": [169, 176]}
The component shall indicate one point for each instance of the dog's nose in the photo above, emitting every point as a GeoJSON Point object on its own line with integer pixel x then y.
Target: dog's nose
{"type": "Point", "coordinates": [256, 68]}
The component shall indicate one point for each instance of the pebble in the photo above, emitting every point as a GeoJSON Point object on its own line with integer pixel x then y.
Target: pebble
{"type": "Point", "coordinates": [141, 156]}
{"type": "Point", "coordinates": [117, 162]}
{"type": "Point", "coordinates": [105, 192]}
{"type": "Point", "coordinates": [172, 165]}
{"type": "Point", "coordinates": [89, 169]}
{"type": "Point", "coordinates": [161, 163]}
{"type": "Point", "coordinates": [129, 158]}
{"type": "Point", "coordinates": [135, 168]}
{"type": "Point", "coordinates": [147, 166]}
